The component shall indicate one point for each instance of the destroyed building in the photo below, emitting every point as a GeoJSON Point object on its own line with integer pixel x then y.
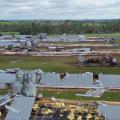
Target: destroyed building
{"type": "Point", "coordinates": [97, 60]}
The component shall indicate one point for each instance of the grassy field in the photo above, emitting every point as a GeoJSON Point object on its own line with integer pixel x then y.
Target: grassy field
{"type": "Point", "coordinates": [115, 35]}
{"type": "Point", "coordinates": [10, 33]}
{"type": "Point", "coordinates": [52, 64]}
{"type": "Point", "coordinates": [70, 95]}
{"type": "Point", "coordinates": [108, 96]}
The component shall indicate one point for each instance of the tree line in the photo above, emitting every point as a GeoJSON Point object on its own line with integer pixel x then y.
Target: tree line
{"type": "Point", "coordinates": [60, 27]}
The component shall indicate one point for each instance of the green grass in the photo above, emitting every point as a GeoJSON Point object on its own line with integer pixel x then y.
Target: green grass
{"type": "Point", "coordinates": [10, 33]}
{"type": "Point", "coordinates": [108, 96]}
{"type": "Point", "coordinates": [52, 64]}
{"type": "Point", "coordinates": [46, 63]}
{"type": "Point", "coordinates": [103, 35]}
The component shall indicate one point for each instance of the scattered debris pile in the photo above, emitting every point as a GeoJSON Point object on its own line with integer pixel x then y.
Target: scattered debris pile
{"type": "Point", "coordinates": [98, 60]}
{"type": "Point", "coordinates": [46, 109]}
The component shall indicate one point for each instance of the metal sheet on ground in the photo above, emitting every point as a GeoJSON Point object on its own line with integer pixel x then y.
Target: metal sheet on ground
{"type": "Point", "coordinates": [23, 105]}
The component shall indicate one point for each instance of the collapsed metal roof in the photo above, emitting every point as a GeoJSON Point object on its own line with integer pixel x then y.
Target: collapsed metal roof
{"type": "Point", "coordinates": [24, 105]}
{"type": "Point", "coordinates": [23, 83]}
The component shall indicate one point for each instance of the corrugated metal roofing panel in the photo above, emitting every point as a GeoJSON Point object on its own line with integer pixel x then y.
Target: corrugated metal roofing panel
{"type": "Point", "coordinates": [7, 78]}
{"type": "Point", "coordinates": [22, 104]}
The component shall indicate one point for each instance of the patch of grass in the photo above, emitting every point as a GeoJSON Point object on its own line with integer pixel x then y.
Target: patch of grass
{"type": "Point", "coordinates": [115, 35]}
{"type": "Point", "coordinates": [46, 63]}
{"type": "Point", "coordinates": [10, 33]}
{"type": "Point", "coordinates": [52, 64]}
{"type": "Point", "coordinates": [108, 96]}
